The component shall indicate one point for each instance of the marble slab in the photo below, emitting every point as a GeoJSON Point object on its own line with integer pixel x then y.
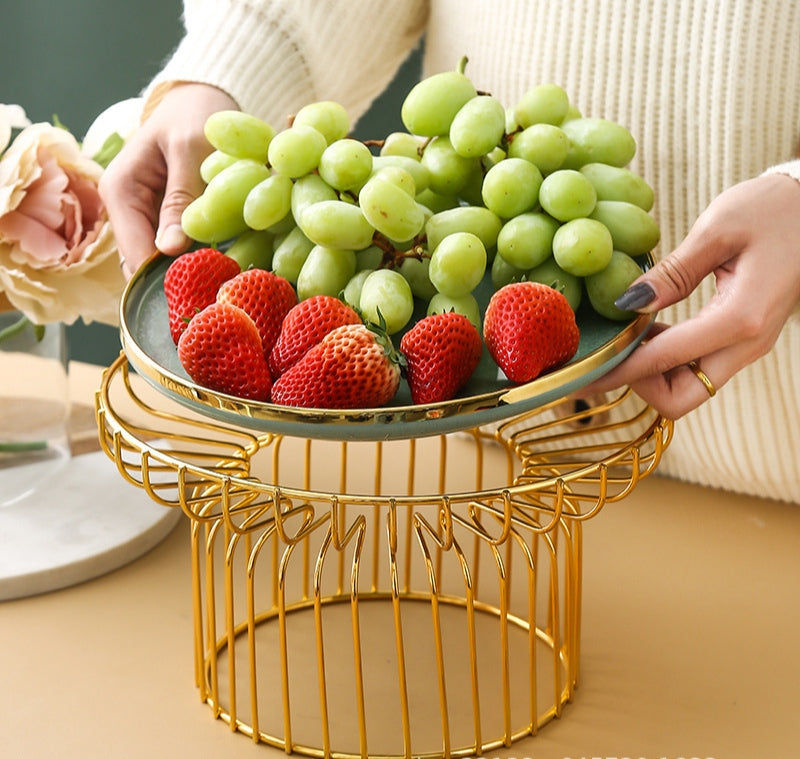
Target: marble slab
{"type": "Point", "coordinates": [79, 525]}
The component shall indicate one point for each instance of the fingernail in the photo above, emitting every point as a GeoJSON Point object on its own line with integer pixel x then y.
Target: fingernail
{"type": "Point", "coordinates": [171, 238]}
{"type": "Point", "coordinates": [636, 297]}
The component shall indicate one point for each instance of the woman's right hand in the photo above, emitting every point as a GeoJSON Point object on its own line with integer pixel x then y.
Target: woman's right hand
{"type": "Point", "coordinates": [157, 174]}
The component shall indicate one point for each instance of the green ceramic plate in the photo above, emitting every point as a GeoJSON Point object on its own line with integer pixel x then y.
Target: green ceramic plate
{"type": "Point", "coordinates": [487, 397]}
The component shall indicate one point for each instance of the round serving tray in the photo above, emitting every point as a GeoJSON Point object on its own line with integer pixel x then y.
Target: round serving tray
{"type": "Point", "coordinates": [487, 397]}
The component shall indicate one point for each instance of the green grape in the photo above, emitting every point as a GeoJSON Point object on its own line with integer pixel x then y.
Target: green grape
{"type": "Point", "coordinates": [252, 249]}
{"type": "Point", "coordinates": [414, 167]}
{"type": "Point", "coordinates": [542, 144]}
{"type": "Point", "coordinates": [567, 194]}
{"type": "Point", "coordinates": [215, 162]}
{"type": "Point", "coordinates": [526, 240]}
{"type": "Point", "coordinates": [369, 258]}
{"type": "Point", "coordinates": [503, 273]}
{"type": "Point", "coordinates": [436, 202]}
{"type": "Point", "coordinates": [470, 193]}
{"type": "Point", "coordinates": [296, 151]}
{"type": "Point", "coordinates": [550, 273]}
{"type": "Point", "coordinates": [542, 104]}
{"type": "Point", "coordinates": [268, 202]}
{"type": "Point", "coordinates": [572, 113]}
{"type": "Point", "coordinates": [336, 224]}
{"type": "Point", "coordinates": [632, 229]}
{"type": "Point", "coordinates": [309, 189]}
{"type": "Point", "coordinates": [386, 294]}
{"type": "Point", "coordinates": [352, 290]}
{"type": "Point", "coordinates": [595, 140]}
{"type": "Point", "coordinates": [326, 271]}
{"type": "Point", "coordinates": [431, 105]}
{"type": "Point", "coordinates": [283, 226]}
{"type": "Point", "coordinates": [402, 144]}
{"type": "Point", "coordinates": [390, 209]}
{"type": "Point", "coordinates": [582, 246]}
{"type": "Point", "coordinates": [480, 221]}
{"type": "Point", "coordinates": [290, 255]}
{"type": "Point", "coordinates": [345, 164]}
{"type": "Point", "coordinates": [217, 215]}
{"type": "Point", "coordinates": [448, 170]}
{"type": "Point", "coordinates": [604, 287]}
{"type": "Point", "coordinates": [478, 126]}
{"type": "Point", "coordinates": [458, 264]}
{"type": "Point", "coordinates": [617, 183]}
{"type": "Point", "coordinates": [400, 177]}
{"type": "Point", "coordinates": [492, 157]}
{"type": "Point", "coordinates": [417, 274]}
{"type": "Point", "coordinates": [466, 305]}
{"type": "Point", "coordinates": [511, 187]}
{"type": "Point", "coordinates": [240, 134]}
{"type": "Point", "coordinates": [328, 117]}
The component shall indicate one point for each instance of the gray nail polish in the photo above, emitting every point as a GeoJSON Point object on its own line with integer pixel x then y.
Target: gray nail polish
{"type": "Point", "coordinates": [635, 297]}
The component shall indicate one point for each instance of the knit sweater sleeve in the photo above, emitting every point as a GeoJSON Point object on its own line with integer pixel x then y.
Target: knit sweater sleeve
{"type": "Point", "coordinates": [275, 56]}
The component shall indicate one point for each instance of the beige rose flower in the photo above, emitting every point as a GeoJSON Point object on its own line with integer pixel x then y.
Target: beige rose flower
{"type": "Point", "coordinates": [58, 255]}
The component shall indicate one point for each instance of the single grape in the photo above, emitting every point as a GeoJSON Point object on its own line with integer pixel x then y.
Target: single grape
{"type": "Point", "coordinates": [582, 246]}
{"type": "Point", "coordinates": [290, 255]}
{"type": "Point", "coordinates": [511, 187]}
{"type": "Point", "coordinates": [431, 105]}
{"type": "Point", "coordinates": [296, 151]}
{"type": "Point", "coordinates": [478, 126]}
{"type": "Point", "coordinates": [478, 220]}
{"type": "Point", "coordinates": [386, 294]}
{"type": "Point", "coordinates": [253, 249]}
{"type": "Point", "coordinates": [567, 194]}
{"type": "Point", "coordinates": [402, 144]}
{"type": "Point", "coordinates": [542, 104]}
{"type": "Point", "coordinates": [398, 176]}
{"type": "Point", "coordinates": [466, 305]}
{"type": "Point", "coordinates": [551, 274]}
{"type": "Point", "coordinates": [326, 271]}
{"type": "Point", "coordinates": [390, 209]}
{"type": "Point", "coordinates": [618, 183]}
{"type": "Point", "coordinates": [336, 224]}
{"type": "Point", "coordinates": [412, 166]}
{"type": "Point", "coordinates": [595, 140]}
{"type": "Point", "coordinates": [345, 164]}
{"type": "Point", "coordinates": [632, 229]}
{"type": "Point", "coordinates": [604, 287]}
{"type": "Point", "coordinates": [503, 273]}
{"type": "Point", "coordinates": [544, 145]}
{"type": "Point", "coordinates": [449, 171]}
{"type": "Point", "coordinates": [218, 214]}
{"type": "Point", "coordinates": [458, 264]}
{"type": "Point", "coordinates": [215, 162]}
{"type": "Point", "coordinates": [352, 290]}
{"type": "Point", "coordinates": [435, 202]}
{"type": "Point", "coordinates": [309, 189]}
{"type": "Point", "coordinates": [526, 240]}
{"type": "Point", "coordinates": [328, 117]}
{"type": "Point", "coordinates": [239, 134]}
{"type": "Point", "coordinates": [417, 274]}
{"type": "Point", "coordinates": [369, 258]}
{"type": "Point", "coordinates": [268, 202]}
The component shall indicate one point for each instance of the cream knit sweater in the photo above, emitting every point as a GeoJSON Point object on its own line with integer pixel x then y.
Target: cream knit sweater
{"type": "Point", "coordinates": [709, 88]}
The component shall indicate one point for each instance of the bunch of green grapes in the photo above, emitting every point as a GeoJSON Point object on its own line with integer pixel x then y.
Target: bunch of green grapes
{"type": "Point", "coordinates": [472, 191]}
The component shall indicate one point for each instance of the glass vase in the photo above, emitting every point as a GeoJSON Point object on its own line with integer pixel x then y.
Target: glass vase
{"type": "Point", "coordinates": [34, 405]}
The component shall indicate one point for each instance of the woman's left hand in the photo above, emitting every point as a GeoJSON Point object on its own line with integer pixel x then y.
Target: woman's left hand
{"type": "Point", "coordinates": [749, 238]}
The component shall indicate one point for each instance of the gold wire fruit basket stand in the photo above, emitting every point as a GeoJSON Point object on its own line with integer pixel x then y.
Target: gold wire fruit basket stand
{"type": "Point", "coordinates": [394, 598]}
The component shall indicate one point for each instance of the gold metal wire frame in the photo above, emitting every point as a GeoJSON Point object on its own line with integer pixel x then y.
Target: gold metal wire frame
{"type": "Point", "coordinates": [401, 598]}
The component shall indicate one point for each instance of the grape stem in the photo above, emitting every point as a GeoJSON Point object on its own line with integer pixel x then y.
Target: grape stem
{"type": "Point", "coordinates": [392, 257]}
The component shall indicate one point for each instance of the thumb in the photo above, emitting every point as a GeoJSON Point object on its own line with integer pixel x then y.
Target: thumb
{"type": "Point", "coordinates": [671, 279]}
{"type": "Point", "coordinates": [184, 184]}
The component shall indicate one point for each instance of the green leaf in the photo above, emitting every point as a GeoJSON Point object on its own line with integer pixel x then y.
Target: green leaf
{"type": "Point", "coordinates": [112, 145]}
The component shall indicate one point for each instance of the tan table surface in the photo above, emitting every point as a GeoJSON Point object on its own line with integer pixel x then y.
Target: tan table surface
{"type": "Point", "coordinates": [689, 648]}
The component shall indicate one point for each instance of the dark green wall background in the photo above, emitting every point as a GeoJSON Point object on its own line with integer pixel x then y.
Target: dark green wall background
{"type": "Point", "coordinates": [75, 58]}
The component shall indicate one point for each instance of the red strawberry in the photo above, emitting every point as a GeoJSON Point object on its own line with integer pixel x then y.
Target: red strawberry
{"type": "Point", "coordinates": [441, 353]}
{"type": "Point", "coordinates": [304, 326]}
{"type": "Point", "coordinates": [191, 283]}
{"type": "Point", "coordinates": [221, 350]}
{"type": "Point", "coordinates": [352, 367]}
{"type": "Point", "coordinates": [266, 298]}
{"type": "Point", "coordinates": [529, 328]}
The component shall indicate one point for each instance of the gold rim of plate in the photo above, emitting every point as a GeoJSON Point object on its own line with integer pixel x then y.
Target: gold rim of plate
{"type": "Point", "coordinates": [505, 401]}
